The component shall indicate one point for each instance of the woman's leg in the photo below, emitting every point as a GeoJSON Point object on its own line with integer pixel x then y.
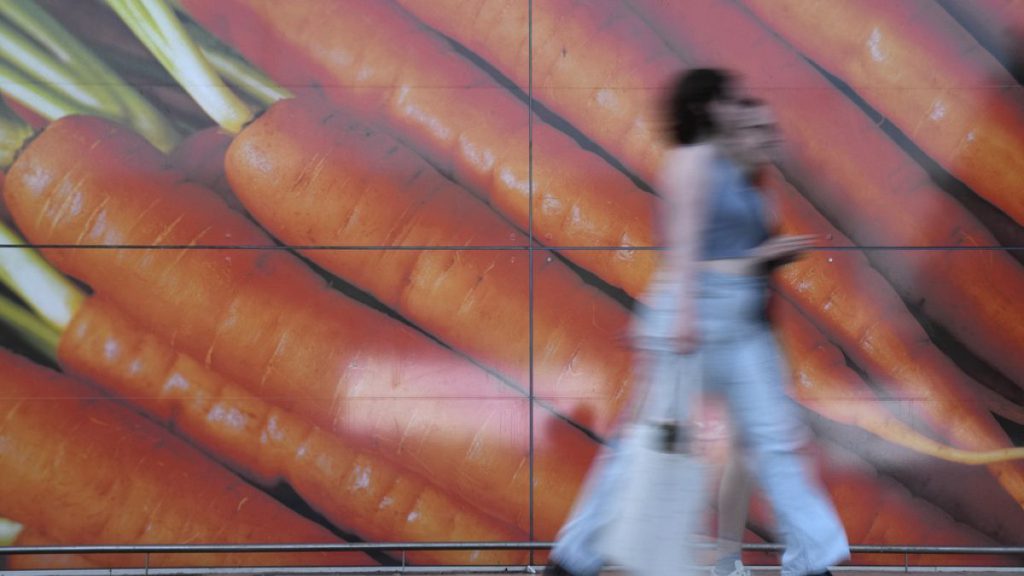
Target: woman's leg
{"type": "Point", "coordinates": [733, 499]}
{"type": "Point", "coordinates": [751, 373]}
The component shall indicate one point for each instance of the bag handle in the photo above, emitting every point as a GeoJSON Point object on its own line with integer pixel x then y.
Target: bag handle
{"type": "Point", "coordinates": [675, 435]}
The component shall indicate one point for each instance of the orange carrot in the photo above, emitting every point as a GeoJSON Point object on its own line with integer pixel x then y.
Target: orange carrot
{"type": "Point", "coordinates": [848, 298]}
{"type": "Point", "coordinates": [374, 59]}
{"type": "Point", "coordinates": [358, 492]}
{"type": "Point", "coordinates": [592, 41]}
{"type": "Point", "coordinates": [825, 384]}
{"type": "Point", "coordinates": [310, 175]}
{"type": "Point", "coordinates": [972, 294]}
{"type": "Point", "coordinates": [265, 165]}
{"type": "Point", "coordinates": [914, 64]}
{"type": "Point", "coordinates": [82, 468]}
{"type": "Point", "coordinates": [970, 494]}
{"type": "Point", "coordinates": [327, 164]}
{"type": "Point", "coordinates": [596, 65]}
{"type": "Point", "coordinates": [853, 304]}
{"type": "Point", "coordinates": [599, 70]}
{"type": "Point", "coordinates": [263, 161]}
{"type": "Point", "coordinates": [1001, 406]}
{"type": "Point", "coordinates": [264, 320]}
{"type": "Point", "coordinates": [200, 155]}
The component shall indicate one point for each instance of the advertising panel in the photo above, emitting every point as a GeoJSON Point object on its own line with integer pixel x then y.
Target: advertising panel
{"type": "Point", "coordinates": [304, 271]}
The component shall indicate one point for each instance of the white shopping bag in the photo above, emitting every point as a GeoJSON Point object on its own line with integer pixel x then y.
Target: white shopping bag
{"type": "Point", "coordinates": [659, 503]}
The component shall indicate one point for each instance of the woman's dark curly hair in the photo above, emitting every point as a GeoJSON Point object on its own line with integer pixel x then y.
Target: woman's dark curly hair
{"type": "Point", "coordinates": [686, 108]}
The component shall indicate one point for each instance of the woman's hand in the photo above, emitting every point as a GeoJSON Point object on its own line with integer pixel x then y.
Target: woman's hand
{"type": "Point", "coordinates": [783, 247]}
{"type": "Point", "coordinates": [687, 336]}
{"type": "Point", "coordinates": [686, 343]}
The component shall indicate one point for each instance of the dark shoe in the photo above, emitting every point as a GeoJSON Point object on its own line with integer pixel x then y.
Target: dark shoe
{"type": "Point", "coordinates": [553, 568]}
{"type": "Point", "coordinates": [825, 573]}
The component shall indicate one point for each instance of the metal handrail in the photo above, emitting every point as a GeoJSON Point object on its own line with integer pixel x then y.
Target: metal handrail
{"type": "Point", "coordinates": [412, 546]}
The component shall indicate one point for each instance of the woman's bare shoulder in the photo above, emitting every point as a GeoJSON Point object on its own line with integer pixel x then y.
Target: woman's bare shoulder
{"type": "Point", "coordinates": [686, 163]}
{"type": "Point", "coordinates": [690, 156]}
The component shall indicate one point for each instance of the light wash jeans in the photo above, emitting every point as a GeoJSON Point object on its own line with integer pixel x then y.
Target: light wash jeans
{"type": "Point", "coordinates": [740, 360]}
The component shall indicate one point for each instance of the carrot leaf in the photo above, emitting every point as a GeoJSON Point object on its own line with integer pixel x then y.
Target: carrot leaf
{"type": "Point", "coordinates": [231, 65]}
{"type": "Point", "coordinates": [14, 132]}
{"type": "Point", "coordinates": [33, 331]}
{"type": "Point", "coordinates": [24, 271]}
{"type": "Point", "coordinates": [235, 69]}
{"type": "Point", "coordinates": [82, 70]}
{"type": "Point", "coordinates": [39, 97]}
{"type": "Point", "coordinates": [41, 65]}
{"type": "Point", "coordinates": [157, 26]}
{"type": "Point", "coordinates": [9, 530]}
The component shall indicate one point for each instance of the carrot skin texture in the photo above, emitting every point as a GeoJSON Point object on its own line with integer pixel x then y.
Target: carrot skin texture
{"type": "Point", "coordinates": [377, 61]}
{"type": "Point", "coordinates": [974, 296]}
{"type": "Point", "coordinates": [359, 492]}
{"type": "Point", "coordinates": [580, 69]}
{"type": "Point", "coordinates": [914, 64]}
{"type": "Point", "coordinates": [310, 175]}
{"type": "Point", "coordinates": [263, 319]}
{"type": "Point", "coordinates": [84, 468]}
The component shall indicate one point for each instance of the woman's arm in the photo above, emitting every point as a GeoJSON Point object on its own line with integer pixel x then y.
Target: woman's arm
{"type": "Point", "coordinates": [686, 185]}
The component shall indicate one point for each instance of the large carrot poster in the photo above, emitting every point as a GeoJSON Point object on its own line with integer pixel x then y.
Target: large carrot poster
{"type": "Point", "coordinates": [364, 274]}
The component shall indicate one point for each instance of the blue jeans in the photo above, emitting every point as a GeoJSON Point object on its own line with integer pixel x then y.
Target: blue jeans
{"type": "Point", "coordinates": [739, 359]}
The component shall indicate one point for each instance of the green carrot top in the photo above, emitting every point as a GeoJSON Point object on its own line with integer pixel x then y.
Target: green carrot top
{"type": "Point", "coordinates": [49, 71]}
{"type": "Point", "coordinates": [199, 62]}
